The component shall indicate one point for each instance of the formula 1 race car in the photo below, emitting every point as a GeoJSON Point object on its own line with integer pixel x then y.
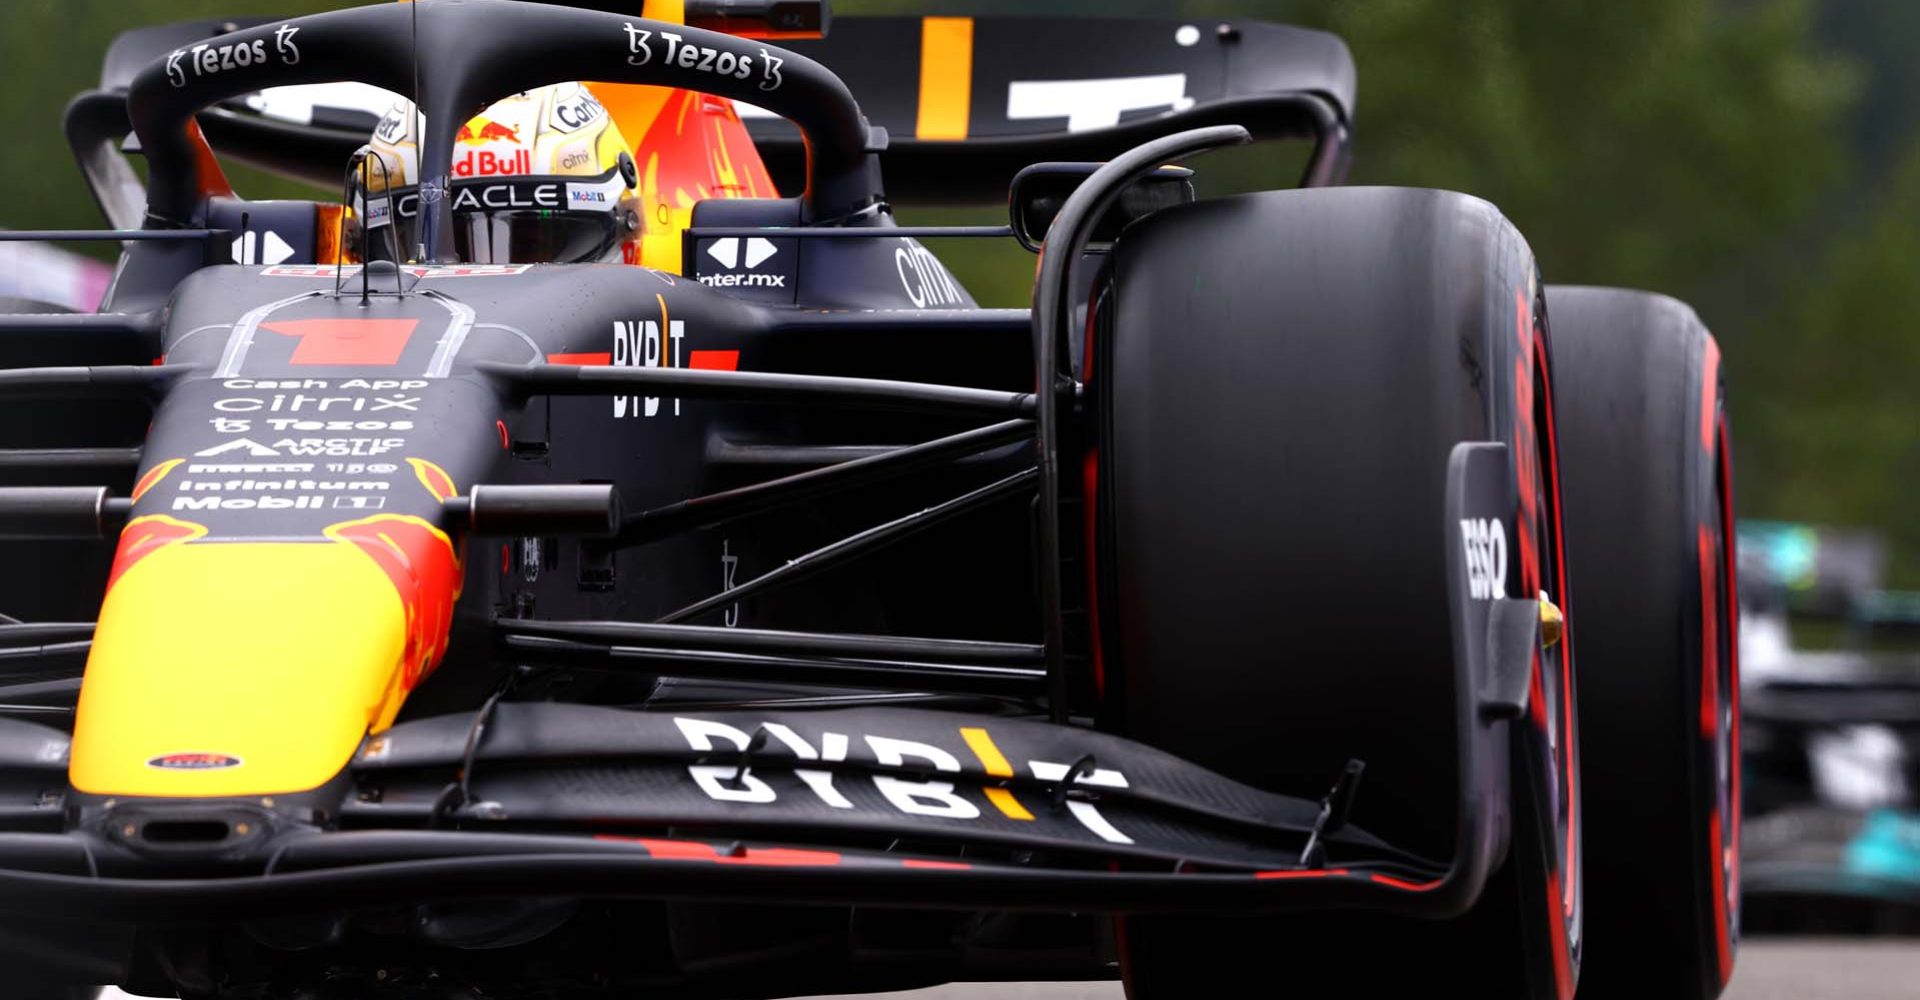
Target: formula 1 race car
{"type": "Point", "coordinates": [759, 617]}
{"type": "Point", "coordinates": [1831, 823]}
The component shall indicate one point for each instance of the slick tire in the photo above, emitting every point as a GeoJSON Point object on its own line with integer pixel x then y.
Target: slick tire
{"type": "Point", "coordinates": [1278, 381]}
{"type": "Point", "coordinates": [1650, 535]}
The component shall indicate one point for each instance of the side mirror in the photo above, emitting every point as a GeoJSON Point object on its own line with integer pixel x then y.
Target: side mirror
{"type": "Point", "coordinates": [1041, 190]}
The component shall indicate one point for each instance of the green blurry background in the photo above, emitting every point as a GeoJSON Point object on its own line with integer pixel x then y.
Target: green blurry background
{"type": "Point", "coordinates": [1758, 158]}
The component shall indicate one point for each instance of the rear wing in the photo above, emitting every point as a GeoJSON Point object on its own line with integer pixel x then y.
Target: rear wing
{"type": "Point", "coordinates": [967, 101]}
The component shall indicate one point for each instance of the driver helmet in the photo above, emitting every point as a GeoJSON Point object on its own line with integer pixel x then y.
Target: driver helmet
{"type": "Point", "coordinates": [541, 177]}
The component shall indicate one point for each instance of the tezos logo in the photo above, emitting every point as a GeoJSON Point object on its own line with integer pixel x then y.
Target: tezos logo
{"type": "Point", "coordinates": [687, 55]}
{"type": "Point", "coordinates": [283, 43]}
{"type": "Point", "coordinates": [193, 762]}
{"type": "Point", "coordinates": [770, 74]}
{"type": "Point", "coordinates": [1484, 542]}
{"type": "Point", "coordinates": [638, 54]}
{"type": "Point", "coordinates": [210, 59]}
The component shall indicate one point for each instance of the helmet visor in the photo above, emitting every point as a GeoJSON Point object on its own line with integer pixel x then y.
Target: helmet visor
{"type": "Point", "coordinates": [536, 236]}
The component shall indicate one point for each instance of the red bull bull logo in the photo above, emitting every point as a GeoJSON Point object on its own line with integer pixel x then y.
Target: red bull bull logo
{"type": "Point", "coordinates": [489, 131]}
{"type": "Point", "coordinates": [494, 161]}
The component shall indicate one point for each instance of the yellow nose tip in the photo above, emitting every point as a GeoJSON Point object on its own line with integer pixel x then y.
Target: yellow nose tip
{"type": "Point", "coordinates": [1552, 623]}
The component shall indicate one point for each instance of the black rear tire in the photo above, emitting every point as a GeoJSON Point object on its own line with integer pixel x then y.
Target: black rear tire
{"type": "Point", "coordinates": [1649, 502]}
{"type": "Point", "coordinates": [1280, 379]}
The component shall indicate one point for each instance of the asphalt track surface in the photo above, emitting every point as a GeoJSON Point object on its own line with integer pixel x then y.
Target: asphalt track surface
{"type": "Point", "coordinates": [1769, 969]}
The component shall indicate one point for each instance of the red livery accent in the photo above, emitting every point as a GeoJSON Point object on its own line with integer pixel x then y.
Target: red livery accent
{"type": "Point", "coordinates": [346, 341]}
{"type": "Point", "coordinates": [144, 535]}
{"type": "Point", "coordinates": [763, 857]}
{"type": "Point", "coordinates": [719, 361]}
{"type": "Point", "coordinates": [434, 478]}
{"type": "Point", "coordinates": [425, 570]}
{"type": "Point", "coordinates": [153, 476]}
{"type": "Point", "coordinates": [688, 850]}
{"type": "Point", "coordinates": [1309, 873]}
{"type": "Point", "coordinates": [587, 358]}
{"type": "Point", "coordinates": [1400, 883]}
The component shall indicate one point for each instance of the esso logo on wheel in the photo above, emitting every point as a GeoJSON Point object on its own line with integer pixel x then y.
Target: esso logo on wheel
{"type": "Point", "coordinates": [1484, 541]}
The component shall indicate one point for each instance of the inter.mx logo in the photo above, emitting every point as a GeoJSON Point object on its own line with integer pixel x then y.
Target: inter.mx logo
{"type": "Point", "coordinates": [736, 254]}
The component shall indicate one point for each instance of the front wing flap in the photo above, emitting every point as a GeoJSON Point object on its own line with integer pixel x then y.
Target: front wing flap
{"type": "Point", "coordinates": [859, 773]}
{"type": "Point", "coordinates": [877, 806]}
